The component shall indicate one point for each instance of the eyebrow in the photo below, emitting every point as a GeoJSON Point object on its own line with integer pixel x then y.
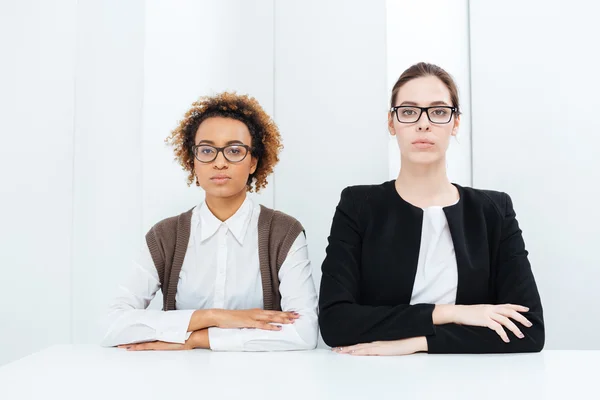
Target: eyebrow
{"type": "Point", "coordinates": [434, 103]}
{"type": "Point", "coordinates": [226, 144]}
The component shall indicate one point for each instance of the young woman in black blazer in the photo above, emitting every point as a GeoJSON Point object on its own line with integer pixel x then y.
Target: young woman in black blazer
{"type": "Point", "coordinates": [419, 264]}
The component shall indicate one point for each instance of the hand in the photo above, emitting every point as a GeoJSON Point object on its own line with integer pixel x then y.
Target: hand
{"type": "Point", "coordinates": [254, 318]}
{"type": "Point", "coordinates": [495, 317]}
{"type": "Point", "coordinates": [386, 348]}
{"type": "Point", "coordinates": [198, 339]}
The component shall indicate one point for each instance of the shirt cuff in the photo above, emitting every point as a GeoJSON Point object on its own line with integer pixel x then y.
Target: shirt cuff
{"type": "Point", "coordinates": [221, 339]}
{"type": "Point", "coordinates": [173, 326]}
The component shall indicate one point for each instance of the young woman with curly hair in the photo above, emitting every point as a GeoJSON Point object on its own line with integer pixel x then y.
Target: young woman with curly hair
{"type": "Point", "coordinates": [235, 275]}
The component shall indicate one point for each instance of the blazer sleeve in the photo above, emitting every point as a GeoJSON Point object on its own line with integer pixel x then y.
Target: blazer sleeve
{"type": "Point", "coordinates": [343, 320]}
{"type": "Point", "coordinates": [514, 284]}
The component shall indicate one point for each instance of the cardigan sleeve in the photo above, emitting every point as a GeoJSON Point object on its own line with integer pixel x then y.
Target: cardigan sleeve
{"type": "Point", "coordinates": [514, 284]}
{"type": "Point", "coordinates": [343, 319]}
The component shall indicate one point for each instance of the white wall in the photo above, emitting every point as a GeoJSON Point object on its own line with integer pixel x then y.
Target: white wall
{"type": "Point", "coordinates": [435, 31]}
{"type": "Point", "coordinates": [37, 39]}
{"type": "Point", "coordinates": [535, 101]}
{"type": "Point", "coordinates": [107, 188]}
{"type": "Point", "coordinates": [116, 80]}
{"type": "Point", "coordinates": [330, 92]}
{"type": "Point", "coordinates": [192, 50]}
{"type": "Point", "coordinates": [91, 89]}
{"type": "Point", "coordinates": [195, 48]}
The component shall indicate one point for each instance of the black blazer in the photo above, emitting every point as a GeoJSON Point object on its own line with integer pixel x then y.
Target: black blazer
{"type": "Point", "coordinates": [371, 262]}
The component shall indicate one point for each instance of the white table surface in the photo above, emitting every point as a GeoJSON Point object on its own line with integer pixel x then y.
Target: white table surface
{"type": "Point", "coordinates": [92, 372]}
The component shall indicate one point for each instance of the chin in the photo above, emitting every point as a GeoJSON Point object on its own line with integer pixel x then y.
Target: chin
{"type": "Point", "coordinates": [425, 158]}
{"type": "Point", "coordinates": [224, 191]}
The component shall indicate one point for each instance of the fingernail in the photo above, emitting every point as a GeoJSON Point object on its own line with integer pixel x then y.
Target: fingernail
{"type": "Point", "coordinates": [529, 325]}
{"type": "Point", "coordinates": [520, 336]}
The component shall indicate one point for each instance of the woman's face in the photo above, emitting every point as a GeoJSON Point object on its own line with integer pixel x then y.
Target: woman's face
{"type": "Point", "coordinates": [423, 141]}
{"type": "Point", "coordinates": [222, 177]}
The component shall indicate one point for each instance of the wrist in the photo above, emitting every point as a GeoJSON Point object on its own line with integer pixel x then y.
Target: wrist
{"type": "Point", "coordinates": [444, 314]}
{"type": "Point", "coordinates": [199, 340]}
{"type": "Point", "coordinates": [420, 344]}
{"type": "Point", "coordinates": [213, 316]}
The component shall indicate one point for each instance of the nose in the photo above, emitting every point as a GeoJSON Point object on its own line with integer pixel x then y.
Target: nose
{"type": "Point", "coordinates": [423, 124]}
{"type": "Point", "coordinates": [220, 162]}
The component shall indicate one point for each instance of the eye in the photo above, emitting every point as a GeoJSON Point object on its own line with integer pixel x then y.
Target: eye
{"type": "Point", "coordinates": [234, 150]}
{"type": "Point", "coordinates": [440, 112]}
{"type": "Point", "coordinates": [408, 111]}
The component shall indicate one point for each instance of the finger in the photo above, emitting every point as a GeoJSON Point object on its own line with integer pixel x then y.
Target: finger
{"type": "Point", "coordinates": [345, 349]}
{"type": "Point", "coordinates": [287, 314]}
{"type": "Point", "coordinates": [499, 330]}
{"type": "Point", "coordinates": [517, 307]}
{"type": "Point", "coordinates": [159, 346]}
{"type": "Point", "coordinates": [267, 327]}
{"type": "Point", "coordinates": [353, 349]}
{"type": "Point", "coordinates": [516, 316]}
{"type": "Point", "coordinates": [144, 346]}
{"type": "Point", "coordinates": [274, 318]}
{"type": "Point", "coordinates": [501, 319]}
{"type": "Point", "coordinates": [281, 318]}
{"type": "Point", "coordinates": [364, 351]}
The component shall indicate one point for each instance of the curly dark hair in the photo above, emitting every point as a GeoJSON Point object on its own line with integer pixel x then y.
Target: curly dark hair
{"type": "Point", "coordinates": [266, 140]}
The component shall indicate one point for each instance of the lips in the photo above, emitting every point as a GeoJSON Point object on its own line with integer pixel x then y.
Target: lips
{"type": "Point", "coordinates": [423, 144]}
{"type": "Point", "coordinates": [220, 179]}
{"type": "Point", "coordinates": [423, 141]}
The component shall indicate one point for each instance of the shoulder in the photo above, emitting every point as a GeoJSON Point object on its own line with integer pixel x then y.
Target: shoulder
{"type": "Point", "coordinates": [489, 201]}
{"type": "Point", "coordinates": [278, 218]}
{"type": "Point", "coordinates": [359, 195]}
{"type": "Point", "coordinates": [169, 225]}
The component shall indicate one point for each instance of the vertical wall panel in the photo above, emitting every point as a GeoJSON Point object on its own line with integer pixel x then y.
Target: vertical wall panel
{"type": "Point", "coordinates": [535, 86]}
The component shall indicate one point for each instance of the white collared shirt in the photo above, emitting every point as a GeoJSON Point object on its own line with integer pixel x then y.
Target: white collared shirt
{"type": "Point", "coordinates": [436, 279]}
{"type": "Point", "coordinates": [220, 270]}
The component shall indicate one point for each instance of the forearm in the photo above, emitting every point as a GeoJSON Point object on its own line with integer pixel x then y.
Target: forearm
{"type": "Point", "coordinates": [199, 340]}
{"type": "Point", "coordinates": [458, 339]}
{"type": "Point", "coordinates": [443, 314]}
{"type": "Point", "coordinates": [348, 324]}
{"type": "Point", "coordinates": [301, 335]}
{"type": "Point", "coordinates": [452, 335]}
{"type": "Point", "coordinates": [135, 326]}
{"type": "Point", "coordinates": [202, 319]}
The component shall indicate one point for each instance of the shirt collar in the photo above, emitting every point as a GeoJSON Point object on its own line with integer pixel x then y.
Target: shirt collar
{"type": "Point", "coordinates": [237, 224]}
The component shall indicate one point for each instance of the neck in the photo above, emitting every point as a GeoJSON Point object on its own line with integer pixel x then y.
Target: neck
{"type": "Point", "coordinates": [224, 207]}
{"type": "Point", "coordinates": [425, 185]}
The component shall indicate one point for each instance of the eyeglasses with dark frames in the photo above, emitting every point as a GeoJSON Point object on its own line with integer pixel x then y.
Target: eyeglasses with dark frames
{"type": "Point", "coordinates": [234, 153]}
{"type": "Point", "coordinates": [436, 114]}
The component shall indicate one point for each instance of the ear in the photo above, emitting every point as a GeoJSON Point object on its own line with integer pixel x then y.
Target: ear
{"type": "Point", "coordinates": [253, 165]}
{"type": "Point", "coordinates": [391, 124]}
{"type": "Point", "coordinates": [456, 125]}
